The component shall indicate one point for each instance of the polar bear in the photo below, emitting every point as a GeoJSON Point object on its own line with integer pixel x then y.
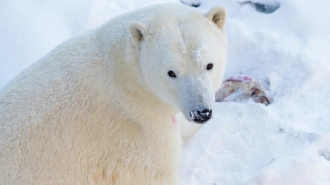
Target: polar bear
{"type": "Point", "coordinates": [99, 108]}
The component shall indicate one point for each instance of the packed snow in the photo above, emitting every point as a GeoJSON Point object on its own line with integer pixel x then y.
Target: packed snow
{"type": "Point", "coordinates": [284, 43]}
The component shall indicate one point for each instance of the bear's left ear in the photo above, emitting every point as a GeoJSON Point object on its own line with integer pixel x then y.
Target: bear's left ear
{"type": "Point", "coordinates": [138, 30]}
{"type": "Point", "coordinates": [217, 15]}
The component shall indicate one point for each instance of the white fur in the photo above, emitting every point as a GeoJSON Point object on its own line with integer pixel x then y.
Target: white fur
{"type": "Point", "coordinates": [98, 108]}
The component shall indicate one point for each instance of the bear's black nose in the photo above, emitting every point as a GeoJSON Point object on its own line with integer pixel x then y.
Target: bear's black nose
{"type": "Point", "coordinates": [201, 116]}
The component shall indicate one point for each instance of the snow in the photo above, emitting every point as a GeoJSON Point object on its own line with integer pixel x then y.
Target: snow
{"type": "Point", "coordinates": [245, 143]}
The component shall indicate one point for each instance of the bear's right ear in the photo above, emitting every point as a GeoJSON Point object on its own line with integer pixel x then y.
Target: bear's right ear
{"type": "Point", "coordinates": [138, 30]}
{"type": "Point", "coordinates": [218, 16]}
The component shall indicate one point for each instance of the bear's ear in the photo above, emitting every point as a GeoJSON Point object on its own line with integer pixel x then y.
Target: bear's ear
{"type": "Point", "coordinates": [217, 15]}
{"type": "Point", "coordinates": [138, 30]}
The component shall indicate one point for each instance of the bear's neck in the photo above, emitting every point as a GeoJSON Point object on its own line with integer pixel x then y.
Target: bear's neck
{"type": "Point", "coordinates": [138, 103]}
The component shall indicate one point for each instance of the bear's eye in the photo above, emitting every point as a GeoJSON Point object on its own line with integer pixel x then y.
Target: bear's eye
{"type": "Point", "coordinates": [209, 66]}
{"type": "Point", "coordinates": [171, 74]}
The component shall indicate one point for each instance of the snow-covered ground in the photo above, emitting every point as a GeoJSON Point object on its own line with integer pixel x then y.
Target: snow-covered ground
{"type": "Point", "coordinates": [282, 42]}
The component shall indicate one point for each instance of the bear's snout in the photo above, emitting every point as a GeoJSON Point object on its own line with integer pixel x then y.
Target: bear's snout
{"type": "Point", "coordinates": [201, 116]}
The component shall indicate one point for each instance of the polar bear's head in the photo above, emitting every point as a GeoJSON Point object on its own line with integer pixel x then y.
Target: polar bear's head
{"type": "Point", "coordinates": [182, 57]}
